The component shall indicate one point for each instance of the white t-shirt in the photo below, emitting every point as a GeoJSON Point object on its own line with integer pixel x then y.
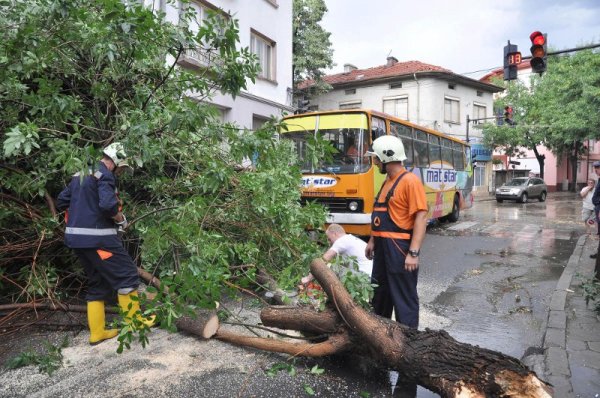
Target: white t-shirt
{"type": "Point", "coordinates": [351, 246]}
{"type": "Point", "coordinates": [587, 199]}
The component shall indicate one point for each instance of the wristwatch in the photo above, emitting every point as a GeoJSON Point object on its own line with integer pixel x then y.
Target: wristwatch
{"type": "Point", "coordinates": [414, 253]}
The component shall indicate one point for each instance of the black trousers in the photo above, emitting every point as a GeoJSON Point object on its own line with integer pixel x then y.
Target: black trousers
{"type": "Point", "coordinates": [397, 288]}
{"type": "Point", "coordinates": [105, 276]}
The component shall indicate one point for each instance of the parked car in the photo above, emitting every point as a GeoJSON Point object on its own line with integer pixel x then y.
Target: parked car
{"type": "Point", "coordinates": [521, 189]}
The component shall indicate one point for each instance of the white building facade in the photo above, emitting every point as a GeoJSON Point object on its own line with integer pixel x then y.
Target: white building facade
{"type": "Point", "coordinates": [265, 26]}
{"type": "Point", "coordinates": [423, 94]}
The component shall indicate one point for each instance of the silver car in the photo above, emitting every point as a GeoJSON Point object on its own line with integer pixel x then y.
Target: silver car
{"type": "Point", "coordinates": [521, 189]}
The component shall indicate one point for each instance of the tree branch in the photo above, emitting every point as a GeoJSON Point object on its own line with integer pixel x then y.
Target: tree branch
{"type": "Point", "coordinates": [164, 79]}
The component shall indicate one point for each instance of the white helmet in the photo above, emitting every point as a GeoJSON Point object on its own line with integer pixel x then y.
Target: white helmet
{"type": "Point", "coordinates": [116, 153]}
{"type": "Point", "coordinates": [388, 148]}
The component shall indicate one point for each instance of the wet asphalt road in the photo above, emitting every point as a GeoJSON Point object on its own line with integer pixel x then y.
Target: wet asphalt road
{"type": "Point", "coordinates": [488, 278]}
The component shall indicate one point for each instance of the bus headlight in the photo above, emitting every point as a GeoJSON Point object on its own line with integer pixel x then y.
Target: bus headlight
{"type": "Point", "coordinates": [353, 206]}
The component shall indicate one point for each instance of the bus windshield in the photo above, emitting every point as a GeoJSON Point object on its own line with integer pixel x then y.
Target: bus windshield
{"type": "Point", "coordinates": [350, 145]}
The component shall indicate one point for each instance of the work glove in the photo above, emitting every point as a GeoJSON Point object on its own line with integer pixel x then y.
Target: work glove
{"type": "Point", "coordinates": [123, 224]}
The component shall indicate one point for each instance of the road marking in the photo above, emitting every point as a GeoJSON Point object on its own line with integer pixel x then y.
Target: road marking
{"type": "Point", "coordinates": [463, 225]}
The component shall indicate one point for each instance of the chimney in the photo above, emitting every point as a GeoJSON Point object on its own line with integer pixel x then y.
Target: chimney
{"type": "Point", "coordinates": [391, 61]}
{"type": "Point", "coordinates": [349, 68]}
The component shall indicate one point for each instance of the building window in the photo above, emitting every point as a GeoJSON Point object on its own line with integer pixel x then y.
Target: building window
{"type": "Point", "coordinates": [350, 105]}
{"type": "Point", "coordinates": [452, 86]}
{"type": "Point", "coordinates": [479, 112]}
{"type": "Point", "coordinates": [264, 48]}
{"type": "Point", "coordinates": [451, 110]}
{"type": "Point", "coordinates": [199, 54]}
{"type": "Point", "coordinates": [350, 91]}
{"type": "Point", "coordinates": [258, 121]}
{"type": "Point", "coordinates": [395, 85]}
{"type": "Point", "coordinates": [479, 93]}
{"type": "Point", "coordinates": [396, 107]}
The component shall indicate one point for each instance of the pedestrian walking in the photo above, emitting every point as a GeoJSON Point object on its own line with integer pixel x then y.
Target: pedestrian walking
{"type": "Point", "coordinates": [93, 217]}
{"type": "Point", "coordinates": [588, 215]}
{"type": "Point", "coordinates": [398, 225]}
{"type": "Point", "coordinates": [596, 200]}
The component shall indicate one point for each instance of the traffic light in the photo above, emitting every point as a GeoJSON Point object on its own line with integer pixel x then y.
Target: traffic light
{"type": "Point", "coordinates": [508, 115]}
{"type": "Point", "coordinates": [512, 58]}
{"type": "Point", "coordinates": [539, 52]}
{"type": "Point", "coordinates": [302, 105]}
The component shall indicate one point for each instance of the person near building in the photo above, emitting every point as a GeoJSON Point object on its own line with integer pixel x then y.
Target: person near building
{"type": "Point", "coordinates": [398, 225]}
{"type": "Point", "coordinates": [94, 217]}
{"type": "Point", "coordinates": [596, 200]}
{"type": "Point", "coordinates": [587, 211]}
{"type": "Point", "coordinates": [345, 245]}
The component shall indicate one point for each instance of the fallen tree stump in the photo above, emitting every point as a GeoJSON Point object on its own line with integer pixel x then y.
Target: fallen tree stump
{"type": "Point", "coordinates": [204, 324]}
{"type": "Point", "coordinates": [430, 358]}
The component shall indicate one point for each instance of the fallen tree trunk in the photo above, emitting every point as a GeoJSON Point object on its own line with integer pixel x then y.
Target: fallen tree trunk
{"type": "Point", "coordinates": [430, 358]}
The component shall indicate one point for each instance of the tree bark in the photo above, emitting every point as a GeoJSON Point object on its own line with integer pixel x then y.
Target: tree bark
{"type": "Point", "coordinates": [302, 319]}
{"type": "Point", "coordinates": [333, 345]}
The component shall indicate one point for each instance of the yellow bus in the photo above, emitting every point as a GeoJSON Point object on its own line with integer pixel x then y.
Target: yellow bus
{"type": "Point", "coordinates": [347, 184]}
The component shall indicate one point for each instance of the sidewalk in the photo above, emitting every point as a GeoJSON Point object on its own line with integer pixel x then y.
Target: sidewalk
{"type": "Point", "coordinates": [572, 340]}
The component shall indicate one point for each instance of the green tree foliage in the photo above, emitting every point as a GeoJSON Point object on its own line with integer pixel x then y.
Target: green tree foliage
{"type": "Point", "coordinates": [311, 44]}
{"type": "Point", "coordinates": [567, 100]}
{"type": "Point", "coordinates": [523, 131]}
{"type": "Point", "coordinates": [76, 75]}
{"type": "Point", "coordinates": [558, 110]}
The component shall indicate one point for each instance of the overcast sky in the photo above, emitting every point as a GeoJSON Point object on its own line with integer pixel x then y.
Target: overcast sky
{"type": "Point", "coordinates": [461, 35]}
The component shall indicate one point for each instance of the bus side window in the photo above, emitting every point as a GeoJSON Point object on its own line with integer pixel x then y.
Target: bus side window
{"type": "Point", "coordinates": [459, 156]}
{"type": "Point", "coordinates": [421, 149]}
{"type": "Point", "coordinates": [447, 152]}
{"type": "Point", "coordinates": [377, 128]}
{"type": "Point", "coordinates": [405, 134]}
{"type": "Point", "coordinates": [434, 150]}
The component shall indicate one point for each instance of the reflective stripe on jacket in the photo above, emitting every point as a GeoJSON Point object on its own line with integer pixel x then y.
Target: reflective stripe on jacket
{"type": "Point", "coordinates": [91, 203]}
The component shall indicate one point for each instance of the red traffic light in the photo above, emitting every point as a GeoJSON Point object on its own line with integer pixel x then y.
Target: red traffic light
{"type": "Point", "coordinates": [537, 38]}
{"type": "Point", "coordinates": [538, 52]}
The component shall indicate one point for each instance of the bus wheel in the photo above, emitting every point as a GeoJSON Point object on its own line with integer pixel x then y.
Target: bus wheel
{"type": "Point", "coordinates": [453, 217]}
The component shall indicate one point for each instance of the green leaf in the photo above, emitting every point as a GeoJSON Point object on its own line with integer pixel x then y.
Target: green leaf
{"type": "Point", "coordinates": [308, 389]}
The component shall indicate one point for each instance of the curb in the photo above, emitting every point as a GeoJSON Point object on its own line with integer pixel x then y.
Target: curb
{"type": "Point", "coordinates": [556, 362]}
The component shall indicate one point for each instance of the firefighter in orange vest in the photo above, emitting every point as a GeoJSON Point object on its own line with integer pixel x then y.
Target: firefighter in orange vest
{"type": "Point", "coordinates": [94, 219]}
{"type": "Point", "coordinates": [398, 225]}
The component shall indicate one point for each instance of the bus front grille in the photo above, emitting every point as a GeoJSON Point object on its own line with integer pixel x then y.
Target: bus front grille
{"type": "Point", "coordinates": [335, 205]}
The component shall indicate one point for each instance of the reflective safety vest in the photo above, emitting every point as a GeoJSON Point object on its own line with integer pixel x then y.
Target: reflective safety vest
{"type": "Point", "coordinates": [91, 202]}
{"type": "Point", "coordinates": [382, 225]}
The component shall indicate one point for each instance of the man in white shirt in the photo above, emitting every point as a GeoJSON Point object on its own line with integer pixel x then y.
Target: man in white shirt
{"type": "Point", "coordinates": [345, 245]}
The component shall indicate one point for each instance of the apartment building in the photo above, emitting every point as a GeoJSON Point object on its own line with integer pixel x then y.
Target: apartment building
{"type": "Point", "coordinates": [265, 26]}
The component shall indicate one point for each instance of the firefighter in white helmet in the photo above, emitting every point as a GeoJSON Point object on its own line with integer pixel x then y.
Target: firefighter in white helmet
{"type": "Point", "coordinates": [94, 217]}
{"type": "Point", "coordinates": [398, 224]}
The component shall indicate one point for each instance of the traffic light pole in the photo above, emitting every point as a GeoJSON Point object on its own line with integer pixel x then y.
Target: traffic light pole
{"type": "Point", "coordinates": [469, 120]}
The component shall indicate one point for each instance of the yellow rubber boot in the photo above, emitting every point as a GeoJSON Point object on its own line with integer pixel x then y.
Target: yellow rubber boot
{"type": "Point", "coordinates": [130, 304]}
{"type": "Point", "coordinates": [96, 319]}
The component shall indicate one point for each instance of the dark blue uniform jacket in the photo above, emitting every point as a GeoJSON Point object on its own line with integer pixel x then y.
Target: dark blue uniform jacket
{"type": "Point", "coordinates": [91, 203]}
